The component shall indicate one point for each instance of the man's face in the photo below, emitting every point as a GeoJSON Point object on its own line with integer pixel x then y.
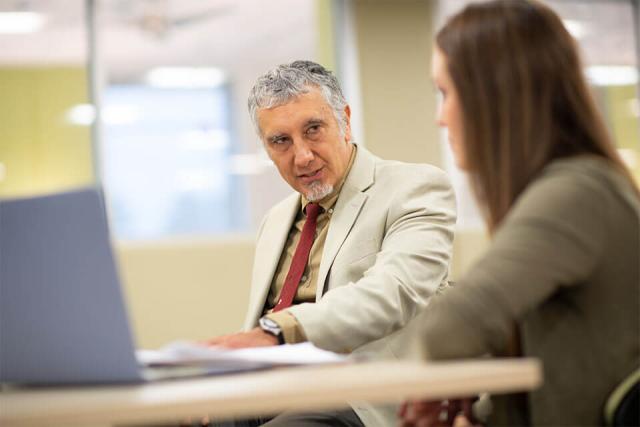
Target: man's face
{"type": "Point", "coordinates": [304, 141]}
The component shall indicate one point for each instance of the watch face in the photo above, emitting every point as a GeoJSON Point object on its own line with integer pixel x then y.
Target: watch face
{"type": "Point", "coordinates": [265, 321]}
{"type": "Point", "coordinates": [269, 325]}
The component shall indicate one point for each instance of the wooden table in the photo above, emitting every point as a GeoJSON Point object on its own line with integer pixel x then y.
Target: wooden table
{"type": "Point", "coordinates": [264, 392]}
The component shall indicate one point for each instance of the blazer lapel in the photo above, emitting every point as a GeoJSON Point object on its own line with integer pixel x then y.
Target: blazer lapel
{"type": "Point", "coordinates": [271, 244]}
{"type": "Point", "coordinates": [346, 211]}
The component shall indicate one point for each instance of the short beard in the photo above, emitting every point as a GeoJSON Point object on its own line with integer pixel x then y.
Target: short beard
{"type": "Point", "coordinates": [318, 191]}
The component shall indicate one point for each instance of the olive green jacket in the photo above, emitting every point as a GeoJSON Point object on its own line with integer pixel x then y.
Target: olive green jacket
{"type": "Point", "coordinates": [564, 268]}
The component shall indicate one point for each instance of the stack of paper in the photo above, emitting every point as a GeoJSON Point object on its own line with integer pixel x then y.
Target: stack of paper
{"type": "Point", "coordinates": [187, 357]}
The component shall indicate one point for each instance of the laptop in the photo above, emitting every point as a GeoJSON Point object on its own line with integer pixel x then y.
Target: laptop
{"type": "Point", "coordinates": [62, 313]}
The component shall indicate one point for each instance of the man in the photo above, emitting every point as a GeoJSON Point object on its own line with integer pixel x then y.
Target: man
{"type": "Point", "coordinates": [349, 259]}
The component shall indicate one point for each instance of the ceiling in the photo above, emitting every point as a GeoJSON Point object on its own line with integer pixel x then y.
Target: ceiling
{"type": "Point", "coordinates": [136, 35]}
{"type": "Point", "coordinates": [606, 25]}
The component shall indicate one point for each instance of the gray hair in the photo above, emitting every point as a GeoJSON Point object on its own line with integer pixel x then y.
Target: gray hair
{"type": "Point", "coordinates": [288, 81]}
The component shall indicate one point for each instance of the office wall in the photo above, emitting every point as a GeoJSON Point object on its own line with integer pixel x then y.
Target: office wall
{"type": "Point", "coordinates": [40, 150]}
{"type": "Point", "coordinates": [624, 123]}
{"type": "Point", "coordinates": [186, 290]}
{"type": "Point", "coordinates": [394, 41]}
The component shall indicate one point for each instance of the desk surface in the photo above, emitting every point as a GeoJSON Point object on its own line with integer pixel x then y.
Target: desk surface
{"type": "Point", "coordinates": [247, 394]}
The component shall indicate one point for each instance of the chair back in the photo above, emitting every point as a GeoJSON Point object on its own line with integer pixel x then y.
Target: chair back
{"type": "Point", "coordinates": [623, 405]}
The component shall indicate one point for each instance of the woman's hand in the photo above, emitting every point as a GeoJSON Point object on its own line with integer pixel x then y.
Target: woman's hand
{"type": "Point", "coordinates": [439, 413]}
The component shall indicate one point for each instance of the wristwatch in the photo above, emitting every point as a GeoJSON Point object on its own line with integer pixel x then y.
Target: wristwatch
{"type": "Point", "coordinates": [271, 327]}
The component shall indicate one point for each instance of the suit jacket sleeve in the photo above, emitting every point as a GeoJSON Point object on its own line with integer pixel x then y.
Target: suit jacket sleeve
{"type": "Point", "coordinates": [553, 238]}
{"type": "Point", "coordinates": [411, 214]}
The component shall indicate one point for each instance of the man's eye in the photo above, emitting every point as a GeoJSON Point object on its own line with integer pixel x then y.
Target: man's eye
{"type": "Point", "coordinates": [313, 129]}
{"type": "Point", "coordinates": [279, 140]}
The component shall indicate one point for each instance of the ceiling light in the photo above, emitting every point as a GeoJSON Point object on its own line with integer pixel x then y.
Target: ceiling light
{"type": "Point", "coordinates": [20, 22]}
{"type": "Point", "coordinates": [575, 28]}
{"type": "Point", "coordinates": [85, 114]}
{"type": "Point", "coordinates": [81, 115]}
{"type": "Point", "coordinates": [612, 75]}
{"type": "Point", "coordinates": [185, 77]}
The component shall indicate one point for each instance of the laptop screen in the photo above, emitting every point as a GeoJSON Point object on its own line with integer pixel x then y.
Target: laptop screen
{"type": "Point", "coordinates": [62, 314]}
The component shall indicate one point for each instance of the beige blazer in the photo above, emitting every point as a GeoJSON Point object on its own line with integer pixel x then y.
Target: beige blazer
{"type": "Point", "coordinates": [387, 250]}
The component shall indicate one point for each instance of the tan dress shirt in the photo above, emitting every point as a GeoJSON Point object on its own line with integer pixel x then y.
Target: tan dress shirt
{"type": "Point", "coordinates": [306, 292]}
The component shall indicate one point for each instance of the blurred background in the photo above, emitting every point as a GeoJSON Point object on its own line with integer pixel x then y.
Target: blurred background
{"type": "Point", "coordinates": [148, 99]}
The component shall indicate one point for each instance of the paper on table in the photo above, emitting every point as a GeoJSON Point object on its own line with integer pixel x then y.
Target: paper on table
{"type": "Point", "coordinates": [290, 354]}
{"type": "Point", "coordinates": [181, 353]}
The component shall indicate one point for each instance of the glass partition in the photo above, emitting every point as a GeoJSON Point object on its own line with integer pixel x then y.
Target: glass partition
{"type": "Point", "coordinates": [43, 75]}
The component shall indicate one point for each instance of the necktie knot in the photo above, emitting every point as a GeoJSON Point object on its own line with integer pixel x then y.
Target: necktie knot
{"type": "Point", "coordinates": [312, 210]}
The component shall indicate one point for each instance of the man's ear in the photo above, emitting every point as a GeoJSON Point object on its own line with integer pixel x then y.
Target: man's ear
{"type": "Point", "coordinates": [347, 130]}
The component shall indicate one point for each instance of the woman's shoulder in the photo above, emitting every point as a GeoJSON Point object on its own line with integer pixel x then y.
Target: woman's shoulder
{"type": "Point", "coordinates": [577, 186]}
{"type": "Point", "coordinates": [585, 167]}
{"type": "Point", "coordinates": [585, 176]}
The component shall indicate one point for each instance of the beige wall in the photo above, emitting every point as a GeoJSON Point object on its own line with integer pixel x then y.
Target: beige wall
{"type": "Point", "coordinates": [468, 247]}
{"type": "Point", "coordinates": [624, 124]}
{"type": "Point", "coordinates": [186, 290]}
{"type": "Point", "coordinates": [394, 40]}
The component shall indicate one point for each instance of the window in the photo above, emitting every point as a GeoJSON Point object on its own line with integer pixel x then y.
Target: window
{"type": "Point", "coordinates": [179, 156]}
{"type": "Point", "coordinates": [166, 156]}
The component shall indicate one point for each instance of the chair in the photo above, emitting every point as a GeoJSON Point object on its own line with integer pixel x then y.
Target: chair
{"type": "Point", "coordinates": [623, 405]}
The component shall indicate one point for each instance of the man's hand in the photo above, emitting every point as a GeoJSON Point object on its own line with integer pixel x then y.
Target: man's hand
{"type": "Point", "coordinates": [445, 413]}
{"type": "Point", "coordinates": [254, 338]}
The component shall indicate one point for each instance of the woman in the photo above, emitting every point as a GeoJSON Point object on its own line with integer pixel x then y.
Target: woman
{"type": "Point", "coordinates": [560, 280]}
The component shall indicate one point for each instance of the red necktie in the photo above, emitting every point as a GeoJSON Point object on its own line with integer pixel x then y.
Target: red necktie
{"type": "Point", "coordinates": [300, 258]}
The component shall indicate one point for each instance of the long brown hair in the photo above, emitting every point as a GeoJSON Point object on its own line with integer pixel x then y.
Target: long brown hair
{"type": "Point", "coordinates": [524, 98]}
